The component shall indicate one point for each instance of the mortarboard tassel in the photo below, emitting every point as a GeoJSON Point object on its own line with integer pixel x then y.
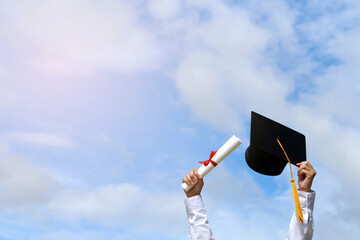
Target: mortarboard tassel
{"type": "Point", "coordinates": [294, 190]}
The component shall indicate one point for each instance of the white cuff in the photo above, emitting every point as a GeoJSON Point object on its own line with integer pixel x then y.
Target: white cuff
{"type": "Point", "coordinates": [307, 200]}
{"type": "Point", "coordinates": [193, 203]}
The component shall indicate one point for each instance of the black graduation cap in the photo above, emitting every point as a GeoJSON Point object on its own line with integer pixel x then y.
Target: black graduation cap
{"type": "Point", "coordinates": [264, 155]}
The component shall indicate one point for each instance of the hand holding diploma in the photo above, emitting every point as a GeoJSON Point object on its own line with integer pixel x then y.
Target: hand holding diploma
{"type": "Point", "coordinates": [215, 158]}
{"type": "Point", "coordinates": [190, 179]}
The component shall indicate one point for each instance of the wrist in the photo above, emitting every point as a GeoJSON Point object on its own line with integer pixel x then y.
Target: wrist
{"type": "Point", "coordinates": [305, 189]}
{"type": "Point", "coordinates": [189, 195]}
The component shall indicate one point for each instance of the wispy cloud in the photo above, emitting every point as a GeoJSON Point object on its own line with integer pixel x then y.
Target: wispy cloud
{"type": "Point", "coordinates": [191, 132]}
{"type": "Point", "coordinates": [78, 38]}
{"type": "Point", "coordinates": [22, 185]}
{"type": "Point", "coordinates": [28, 192]}
{"type": "Point", "coordinates": [40, 139]}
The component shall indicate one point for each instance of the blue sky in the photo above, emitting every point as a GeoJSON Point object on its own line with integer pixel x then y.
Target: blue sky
{"type": "Point", "coordinates": [104, 107]}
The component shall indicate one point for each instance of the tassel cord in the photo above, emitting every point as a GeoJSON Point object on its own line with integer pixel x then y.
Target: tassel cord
{"type": "Point", "coordinates": [294, 190]}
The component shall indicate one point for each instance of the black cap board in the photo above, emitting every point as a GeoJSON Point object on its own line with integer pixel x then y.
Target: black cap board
{"type": "Point", "coordinates": [264, 155]}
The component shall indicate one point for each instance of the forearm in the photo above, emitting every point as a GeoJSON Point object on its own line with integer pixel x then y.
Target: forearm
{"type": "Point", "coordinates": [199, 228]}
{"type": "Point", "coordinates": [303, 231]}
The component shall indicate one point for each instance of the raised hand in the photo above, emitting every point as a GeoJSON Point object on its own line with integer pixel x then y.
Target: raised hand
{"type": "Point", "coordinates": [190, 179]}
{"type": "Point", "coordinates": [306, 174]}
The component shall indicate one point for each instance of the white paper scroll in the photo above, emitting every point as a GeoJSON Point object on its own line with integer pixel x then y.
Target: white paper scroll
{"type": "Point", "coordinates": [222, 153]}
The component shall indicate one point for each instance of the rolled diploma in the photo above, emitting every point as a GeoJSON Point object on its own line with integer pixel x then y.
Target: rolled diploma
{"type": "Point", "coordinates": [222, 153]}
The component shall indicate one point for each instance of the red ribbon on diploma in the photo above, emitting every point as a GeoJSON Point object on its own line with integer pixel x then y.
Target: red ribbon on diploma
{"type": "Point", "coordinates": [209, 160]}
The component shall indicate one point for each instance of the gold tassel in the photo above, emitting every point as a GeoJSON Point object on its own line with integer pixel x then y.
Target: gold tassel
{"type": "Point", "coordinates": [294, 190]}
{"type": "Point", "coordinates": [297, 202]}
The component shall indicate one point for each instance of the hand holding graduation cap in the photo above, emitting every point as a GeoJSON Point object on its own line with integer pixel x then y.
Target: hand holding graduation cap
{"type": "Point", "coordinates": [306, 174]}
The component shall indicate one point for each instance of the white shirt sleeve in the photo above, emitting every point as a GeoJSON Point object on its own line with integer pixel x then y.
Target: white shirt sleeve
{"type": "Point", "coordinates": [303, 231]}
{"type": "Point", "coordinates": [199, 228]}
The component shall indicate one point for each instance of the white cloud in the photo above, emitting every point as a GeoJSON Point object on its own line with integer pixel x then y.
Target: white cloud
{"type": "Point", "coordinates": [164, 9]}
{"type": "Point", "coordinates": [335, 200]}
{"type": "Point", "coordinates": [258, 224]}
{"type": "Point", "coordinates": [190, 132]}
{"type": "Point", "coordinates": [46, 198]}
{"type": "Point", "coordinates": [77, 235]}
{"type": "Point", "coordinates": [21, 183]}
{"type": "Point", "coordinates": [78, 38]}
{"type": "Point", "coordinates": [40, 139]}
{"type": "Point", "coordinates": [227, 75]}
{"type": "Point", "coordinates": [122, 205]}
{"type": "Point", "coordinates": [237, 188]}
{"type": "Point", "coordinates": [57, 58]}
